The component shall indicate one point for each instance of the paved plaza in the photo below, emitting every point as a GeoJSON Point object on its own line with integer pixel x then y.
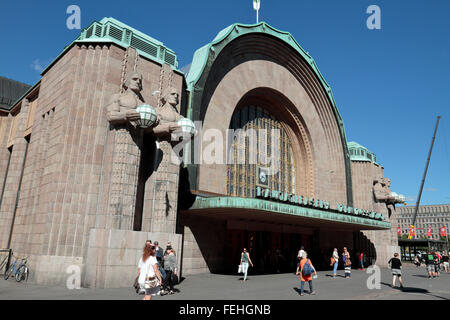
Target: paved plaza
{"type": "Point", "coordinates": [262, 287]}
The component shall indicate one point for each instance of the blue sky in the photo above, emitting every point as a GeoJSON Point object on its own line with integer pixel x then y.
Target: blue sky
{"type": "Point", "coordinates": [389, 84]}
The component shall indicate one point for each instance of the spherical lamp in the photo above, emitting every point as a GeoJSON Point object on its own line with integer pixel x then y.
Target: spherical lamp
{"type": "Point", "coordinates": [187, 126]}
{"type": "Point", "coordinates": [148, 116]}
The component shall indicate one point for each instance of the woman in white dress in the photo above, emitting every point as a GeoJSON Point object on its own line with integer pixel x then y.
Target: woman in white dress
{"type": "Point", "coordinates": [148, 270]}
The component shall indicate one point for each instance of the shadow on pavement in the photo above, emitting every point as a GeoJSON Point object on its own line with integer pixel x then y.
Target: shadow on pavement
{"type": "Point", "coordinates": [299, 291]}
{"type": "Point", "coordinates": [337, 276]}
{"type": "Point", "coordinates": [414, 290]}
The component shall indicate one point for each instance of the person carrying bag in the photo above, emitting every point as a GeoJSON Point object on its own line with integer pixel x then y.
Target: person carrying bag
{"type": "Point", "coordinates": [149, 275]}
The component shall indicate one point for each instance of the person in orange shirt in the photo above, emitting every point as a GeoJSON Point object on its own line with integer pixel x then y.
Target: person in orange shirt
{"type": "Point", "coordinates": [306, 276]}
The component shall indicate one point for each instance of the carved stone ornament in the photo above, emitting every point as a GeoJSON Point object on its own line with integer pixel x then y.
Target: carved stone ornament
{"type": "Point", "coordinates": [122, 107]}
{"type": "Point", "coordinates": [168, 114]}
{"type": "Point", "coordinates": [383, 193]}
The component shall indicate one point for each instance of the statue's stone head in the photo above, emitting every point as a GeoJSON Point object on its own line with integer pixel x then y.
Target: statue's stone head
{"type": "Point", "coordinates": [170, 95]}
{"type": "Point", "coordinates": [385, 182]}
{"type": "Point", "coordinates": [134, 82]}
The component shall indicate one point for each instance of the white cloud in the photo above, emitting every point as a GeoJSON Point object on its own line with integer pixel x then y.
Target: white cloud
{"type": "Point", "coordinates": [37, 66]}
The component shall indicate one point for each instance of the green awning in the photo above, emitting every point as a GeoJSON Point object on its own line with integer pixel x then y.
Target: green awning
{"type": "Point", "coordinates": [278, 212]}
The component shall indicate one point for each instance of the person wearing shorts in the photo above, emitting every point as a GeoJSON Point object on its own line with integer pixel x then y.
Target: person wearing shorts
{"type": "Point", "coordinates": [396, 266]}
{"type": "Point", "coordinates": [445, 261]}
{"type": "Point", "coordinates": [430, 265]}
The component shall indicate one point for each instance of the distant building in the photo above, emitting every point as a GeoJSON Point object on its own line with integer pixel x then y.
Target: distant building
{"type": "Point", "coordinates": [10, 91]}
{"type": "Point", "coordinates": [429, 216]}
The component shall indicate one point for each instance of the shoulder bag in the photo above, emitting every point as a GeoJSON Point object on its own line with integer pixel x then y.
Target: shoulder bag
{"type": "Point", "coordinates": [150, 282]}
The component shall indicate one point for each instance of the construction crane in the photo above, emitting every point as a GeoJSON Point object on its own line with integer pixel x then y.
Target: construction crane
{"type": "Point", "coordinates": [412, 229]}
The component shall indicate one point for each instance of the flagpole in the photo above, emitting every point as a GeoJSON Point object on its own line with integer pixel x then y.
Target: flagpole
{"type": "Point", "coordinates": [256, 6]}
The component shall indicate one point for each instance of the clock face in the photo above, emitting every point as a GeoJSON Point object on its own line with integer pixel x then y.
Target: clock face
{"type": "Point", "coordinates": [263, 178]}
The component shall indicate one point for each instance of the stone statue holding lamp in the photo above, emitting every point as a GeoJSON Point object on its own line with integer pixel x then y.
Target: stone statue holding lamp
{"type": "Point", "coordinates": [171, 123]}
{"type": "Point", "coordinates": [129, 108]}
{"type": "Point", "coordinates": [122, 108]}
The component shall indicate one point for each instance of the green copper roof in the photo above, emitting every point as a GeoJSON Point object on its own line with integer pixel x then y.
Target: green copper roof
{"type": "Point", "coordinates": [111, 30]}
{"type": "Point", "coordinates": [359, 153]}
{"type": "Point", "coordinates": [287, 209]}
{"type": "Point", "coordinates": [227, 35]}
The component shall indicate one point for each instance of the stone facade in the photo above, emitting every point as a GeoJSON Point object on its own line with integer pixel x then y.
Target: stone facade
{"type": "Point", "coordinates": [80, 189]}
{"type": "Point", "coordinates": [80, 173]}
{"type": "Point", "coordinates": [365, 176]}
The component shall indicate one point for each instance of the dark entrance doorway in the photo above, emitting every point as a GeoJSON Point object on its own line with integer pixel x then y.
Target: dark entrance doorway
{"type": "Point", "coordinates": [270, 252]}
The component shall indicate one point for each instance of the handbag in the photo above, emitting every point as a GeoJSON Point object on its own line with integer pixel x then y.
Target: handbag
{"type": "Point", "coordinates": [151, 282]}
{"type": "Point", "coordinates": [348, 263]}
{"type": "Point", "coordinates": [240, 269]}
{"type": "Point", "coordinates": [333, 261]}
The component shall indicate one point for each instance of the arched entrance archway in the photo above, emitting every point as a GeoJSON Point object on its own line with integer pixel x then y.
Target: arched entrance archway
{"type": "Point", "coordinates": [262, 110]}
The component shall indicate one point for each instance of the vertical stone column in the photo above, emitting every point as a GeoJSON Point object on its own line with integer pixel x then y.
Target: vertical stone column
{"type": "Point", "coordinates": [13, 179]}
{"type": "Point", "coordinates": [161, 189]}
{"type": "Point", "coordinates": [125, 165]}
{"type": "Point", "coordinates": [164, 184]}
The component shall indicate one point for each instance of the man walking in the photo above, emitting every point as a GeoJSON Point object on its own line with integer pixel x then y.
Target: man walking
{"type": "Point", "coordinates": [396, 266]}
{"type": "Point", "coordinates": [430, 265]}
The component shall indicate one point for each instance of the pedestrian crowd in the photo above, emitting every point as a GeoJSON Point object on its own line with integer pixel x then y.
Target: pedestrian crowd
{"type": "Point", "coordinates": [434, 261]}
{"type": "Point", "coordinates": [157, 270]}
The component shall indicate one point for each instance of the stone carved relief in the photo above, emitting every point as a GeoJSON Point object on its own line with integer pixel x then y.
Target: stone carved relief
{"type": "Point", "coordinates": [382, 193]}
{"type": "Point", "coordinates": [168, 114]}
{"type": "Point", "coordinates": [122, 108]}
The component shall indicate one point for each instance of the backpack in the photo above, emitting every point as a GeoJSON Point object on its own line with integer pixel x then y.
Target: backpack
{"type": "Point", "coordinates": [307, 269]}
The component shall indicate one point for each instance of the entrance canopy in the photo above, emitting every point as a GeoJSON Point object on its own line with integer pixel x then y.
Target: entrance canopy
{"type": "Point", "coordinates": [236, 208]}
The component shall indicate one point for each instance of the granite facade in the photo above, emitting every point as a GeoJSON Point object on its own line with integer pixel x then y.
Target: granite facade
{"type": "Point", "coordinates": [70, 182]}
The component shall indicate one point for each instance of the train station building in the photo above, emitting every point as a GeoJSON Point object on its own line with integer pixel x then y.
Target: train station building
{"type": "Point", "coordinates": [82, 183]}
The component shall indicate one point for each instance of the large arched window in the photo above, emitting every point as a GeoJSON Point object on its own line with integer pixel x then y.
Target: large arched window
{"type": "Point", "coordinates": [244, 176]}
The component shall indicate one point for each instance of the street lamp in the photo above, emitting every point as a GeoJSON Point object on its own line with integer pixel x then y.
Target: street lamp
{"type": "Point", "coordinates": [148, 116]}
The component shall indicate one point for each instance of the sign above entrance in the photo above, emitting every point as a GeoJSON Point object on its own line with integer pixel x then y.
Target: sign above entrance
{"type": "Point", "coordinates": [304, 201]}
